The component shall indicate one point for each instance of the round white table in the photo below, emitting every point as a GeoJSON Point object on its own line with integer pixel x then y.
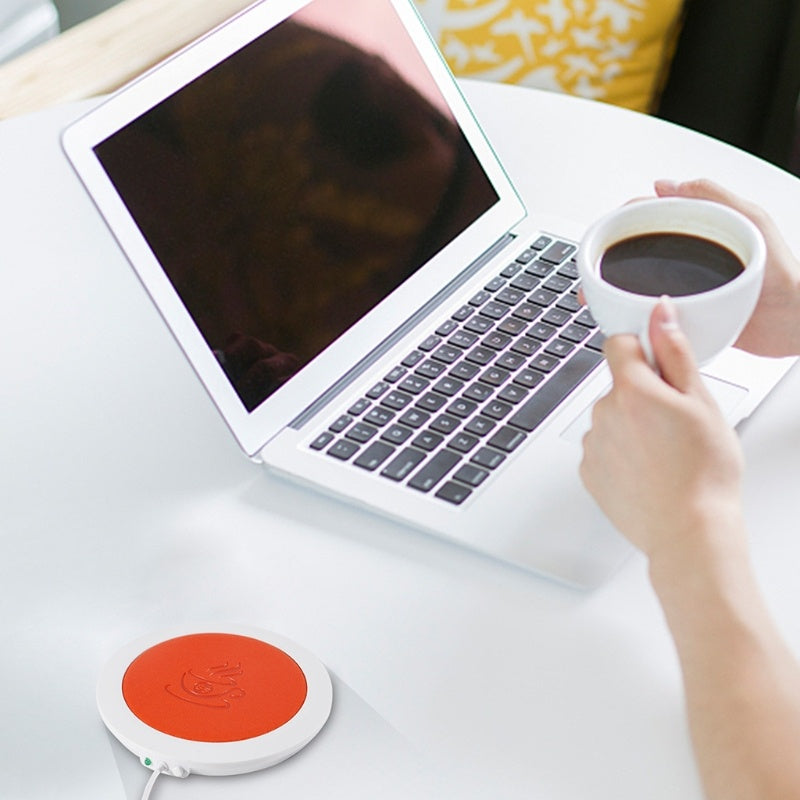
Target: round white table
{"type": "Point", "coordinates": [125, 506]}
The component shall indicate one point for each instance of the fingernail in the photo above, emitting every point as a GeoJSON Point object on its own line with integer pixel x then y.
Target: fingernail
{"type": "Point", "coordinates": [669, 316]}
{"type": "Point", "coordinates": [666, 186]}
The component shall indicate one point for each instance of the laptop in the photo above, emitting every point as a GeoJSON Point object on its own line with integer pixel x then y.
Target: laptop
{"type": "Point", "coordinates": [335, 246]}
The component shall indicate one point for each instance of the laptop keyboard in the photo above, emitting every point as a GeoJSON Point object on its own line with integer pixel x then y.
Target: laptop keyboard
{"type": "Point", "coordinates": [446, 418]}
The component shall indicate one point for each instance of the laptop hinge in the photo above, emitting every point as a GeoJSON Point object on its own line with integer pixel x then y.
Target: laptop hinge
{"type": "Point", "coordinates": [380, 350]}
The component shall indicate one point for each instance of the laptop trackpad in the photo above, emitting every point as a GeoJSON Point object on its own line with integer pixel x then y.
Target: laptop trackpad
{"type": "Point", "coordinates": [728, 396]}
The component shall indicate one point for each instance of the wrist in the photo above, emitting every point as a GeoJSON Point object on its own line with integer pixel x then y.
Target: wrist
{"type": "Point", "coordinates": [708, 553]}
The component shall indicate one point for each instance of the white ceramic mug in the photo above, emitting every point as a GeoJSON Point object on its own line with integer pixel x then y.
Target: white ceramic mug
{"type": "Point", "coordinates": [712, 320]}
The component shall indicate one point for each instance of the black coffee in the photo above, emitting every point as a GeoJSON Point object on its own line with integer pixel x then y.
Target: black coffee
{"type": "Point", "coordinates": [675, 264]}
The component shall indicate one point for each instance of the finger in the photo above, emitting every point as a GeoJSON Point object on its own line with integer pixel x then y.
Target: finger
{"type": "Point", "coordinates": [700, 188]}
{"type": "Point", "coordinates": [705, 189]}
{"type": "Point", "coordinates": [672, 350]}
{"type": "Point", "coordinates": [624, 354]}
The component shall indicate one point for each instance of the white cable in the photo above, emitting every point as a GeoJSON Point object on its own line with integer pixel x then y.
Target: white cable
{"type": "Point", "coordinates": [149, 786]}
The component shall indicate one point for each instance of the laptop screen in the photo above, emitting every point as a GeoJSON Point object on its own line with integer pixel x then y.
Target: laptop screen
{"type": "Point", "coordinates": [289, 189]}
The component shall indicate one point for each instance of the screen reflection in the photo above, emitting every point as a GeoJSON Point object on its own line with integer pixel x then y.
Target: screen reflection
{"type": "Point", "coordinates": [289, 189]}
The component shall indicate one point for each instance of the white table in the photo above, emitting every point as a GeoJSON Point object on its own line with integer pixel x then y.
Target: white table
{"type": "Point", "coordinates": [126, 506]}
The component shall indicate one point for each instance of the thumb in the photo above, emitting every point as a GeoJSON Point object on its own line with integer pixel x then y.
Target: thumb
{"type": "Point", "coordinates": [671, 349]}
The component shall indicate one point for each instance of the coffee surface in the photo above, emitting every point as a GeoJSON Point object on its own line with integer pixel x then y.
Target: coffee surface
{"type": "Point", "coordinates": [674, 264]}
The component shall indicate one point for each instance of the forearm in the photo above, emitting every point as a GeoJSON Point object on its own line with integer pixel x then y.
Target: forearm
{"type": "Point", "coordinates": [742, 684]}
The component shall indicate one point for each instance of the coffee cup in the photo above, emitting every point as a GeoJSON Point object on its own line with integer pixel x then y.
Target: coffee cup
{"type": "Point", "coordinates": [708, 258]}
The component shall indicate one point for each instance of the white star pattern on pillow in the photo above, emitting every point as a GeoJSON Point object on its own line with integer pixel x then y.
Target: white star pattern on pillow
{"type": "Point", "coordinates": [612, 50]}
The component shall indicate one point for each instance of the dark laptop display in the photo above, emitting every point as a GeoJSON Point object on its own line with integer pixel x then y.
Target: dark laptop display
{"type": "Point", "coordinates": [294, 186]}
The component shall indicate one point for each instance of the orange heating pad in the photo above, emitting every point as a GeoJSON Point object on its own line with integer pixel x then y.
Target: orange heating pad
{"type": "Point", "coordinates": [214, 687]}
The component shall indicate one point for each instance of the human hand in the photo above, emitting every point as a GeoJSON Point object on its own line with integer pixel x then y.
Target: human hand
{"type": "Point", "coordinates": [660, 459]}
{"type": "Point", "coordinates": [774, 328]}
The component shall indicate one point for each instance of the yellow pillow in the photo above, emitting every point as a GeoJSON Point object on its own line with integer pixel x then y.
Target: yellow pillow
{"type": "Point", "coordinates": [612, 50]}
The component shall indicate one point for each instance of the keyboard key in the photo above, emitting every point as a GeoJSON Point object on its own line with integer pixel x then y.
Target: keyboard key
{"type": "Point", "coordinates": [361, 433]}
{"type": "Point", "coordinates": [559, 348]}
{"type": "Point", "coordinates": [479, 324]}
{"type": "Point", "coordinates": [433, 472]}
{"type": "Point", "coordinates": [428, 440]}
{"type": "Point", "coordinates": [495, 284]}
{"type": "Point", "coordinates": [510, 296]}
{"type": "Point", "coordinates": [344, 449]}
{"type": "Point", "coordinates": [446, 328]}
{"type": "Point", "coordinates": [542, 297]}
{"type": "Point", "coordinates": [512, 326]}
{"type": "Point", "coordinates": [525, 256]}
{"type": "Point", "coordinates": [396, 400]}
{"type": "Point", "coordinates": [558, 252]}
{"type": "Point", "coordinates": [340, 424]}
{"type": "Point", "coordinates": [596, 342]}
{"type": "Point", "coordinates": [569, 303]}
{"type": "Point", "coordinates": [359, 407]}
{"type": "Point", "coordinates": [538, 407]}
{"type": "Point", "coordinates": [557, 317]}
{"type": "Point", "coordinates": [569, 270]}
{"type": "Point", "coordinates": [471, 475]}
{"type": "Point", "coordinates": [374, 456]}
{"type": "Point", "coordinates": [463, 339]}
{"type": "Point", "coordinates": [541, 243]}
{"type": "Point", "coordinates": [377, 390]}
{"type": "Point", "coordinates": [478, 392]}
{"type": "Point", "coordinates": [557, 283]}
{"type": "Point", "coordinates": [447, 354]}
{"type": "Point", "coordinates": [495, 377]}
{"type": "Point", "coordinates": [430, 369]}
{"type": "Point", "coordinates": [401, 466]}
{"type": "Point", "coordinates": [511, 270]}
{"type": "Point", "coordinates": [586, 319]}
{"type": "Point", "coordinates": [529, 378]}
{"type": "Point", "coordinates": [480, 426]}
{"type": "Point", "coordinates": [480, 298]}
{"type": "Point", "coordinates": [395, 374]}
{"type": "Point", "coordinates": [541, 331]}
{"type": "Point", "coordinates": [510, 361]}
{"type": "Point", "coordinates": [574, 333]}
{"type": "Point", "coordinates": [544, 362]}
{"type": "Point", "coordinates": [463, 442]}
{"type": "Point", "coordinates": [526, 346]}
{"type": "Point", "coordinates": [541, 269]}
{"type": "Point", "coordinates": [412, 359]}
{"type": "Point", "coordinates": [430, 343]}
{"type": "Point", "coordinates": [463, 313]}
{"type": "Point", "coordinates": [525, 282]}
{"type": "Point", "coordinates": [489, 458]}
{"type": "Point", "coordinates": [324, 439]}
{"type": "Point", "coordinates": [414, 384]}
{"type": "Point", "coordinates": [512, 394]}
{"type": "Point", "coordinates": [481, 355]}
{"type": "Point", "coordinates": [431, 401]}
{"type": "Point", "coordinates": [462, 407]}
{"type": "Point", "coordinates": [445, 423]}
{"type": "Point", "coordinates": [396, 434]}
{"type": "Point", "coordinates": [414, 418]}
{"type": "Point", "coordinates": [448, 386]}
{"type": "Point", "coordinates": [464, 371]}
{"type": "Point", "coordinates": [495, 310]}
{"type": "Point", "coordinates": [527, 312]}
{"type": "Point", "coordinates": [496, 340]}
{"type": "Point", "coordinates": [379, 416]}
{"type": "Point", "coordinates": [507, 439]}
{"type": "Point", "coordinates": [452, 492]}
{"type": "Point", "coordinates": [496, 409]}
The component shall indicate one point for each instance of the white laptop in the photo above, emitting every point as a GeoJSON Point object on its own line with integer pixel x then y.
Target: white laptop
{"type": "Point", "coordinates": [311, 205]}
